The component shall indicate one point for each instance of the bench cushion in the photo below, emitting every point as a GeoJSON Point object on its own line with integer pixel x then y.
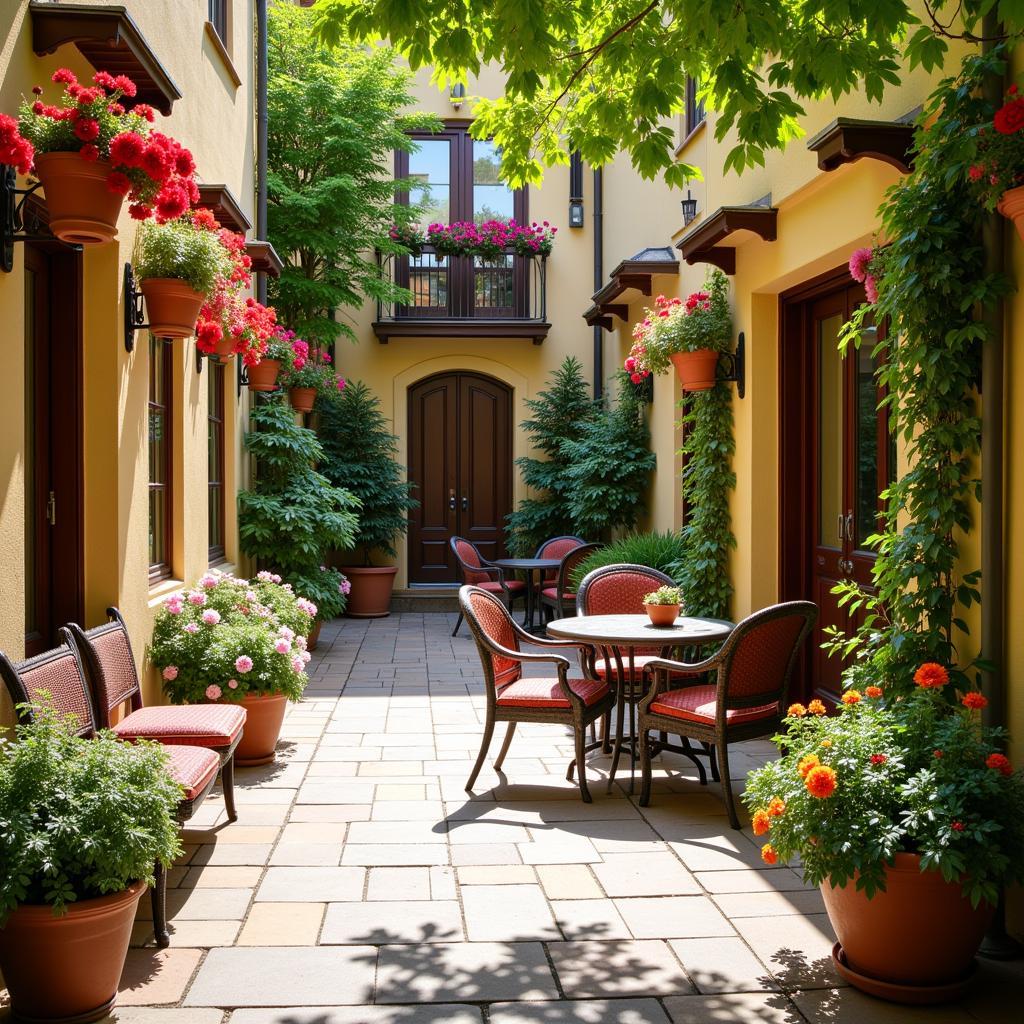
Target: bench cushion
{"type": "Point", "coordinates": [197, 725]}
{"type": "Point", "coordinates": [546, 693]}
{"type": "Point", "coordinates": [697, 704]}
{"type": "Point", "coordinates": [193, 768]}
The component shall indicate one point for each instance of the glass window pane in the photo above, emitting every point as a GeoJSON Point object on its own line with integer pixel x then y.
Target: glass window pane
{"type": "Point", "coordinates": [830, 432]}
{"type": "Point", "coordinates": [492, 200]}
{"type": "Point", "coordinates": [430, 167]}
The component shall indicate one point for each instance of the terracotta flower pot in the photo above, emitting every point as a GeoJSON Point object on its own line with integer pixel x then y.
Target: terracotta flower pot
{"type": "Point", "coordinates": [370, 597]}
{"type": "Point", "coordinates": [83, 211]}
{"type": "Point", "coordinates": [67, 968]}
{"type": "Point", "coordinates": [302, 399]}
{"type": "Point", "coordinates": [696, 369]}
{"type": "Point", "coordinates": [263, 376]}
{"type": "Point", "coordinates": [222, 351]}
{"type": "Point", "coordinates": [172, 307]}
{"type": "Point", "coordinates": [263, 718]}
{"type": "Point", "coordinates": [913, 943]}
{"type": "Point", "coordinates": [314, 635]}
{"type": "Point", "coordinates": [1011, 206]}
{"type": "Point", "coordinates": [662, 614]}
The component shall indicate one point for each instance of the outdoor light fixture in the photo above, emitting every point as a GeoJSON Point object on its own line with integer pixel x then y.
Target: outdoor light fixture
{"type": "Point", "coordinates": [456, 95]}
{"type": "Point", "coordinates": [689, 205]}
{"type": "Point", "coordinates": [575, 189]}
{"type": "Point", "coordinates": [575, 213]}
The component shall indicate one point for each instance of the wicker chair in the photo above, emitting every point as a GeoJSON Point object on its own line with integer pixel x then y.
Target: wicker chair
{"type": "Point", "coordinates": [106, 653]}
{"type": "Point", "coordinates": [558, 700]}
{"type": "Point", "coordinates": [747, 700]}
{"type": "Point", "coordinates": [59, 674]}
{"type": "Point", "coordinates": [557, 597]}
{"type": "Point", "coordinates": [478, 572]}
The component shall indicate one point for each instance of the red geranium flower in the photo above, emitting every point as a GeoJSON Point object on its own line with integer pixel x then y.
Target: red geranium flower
{"type": "Point", "coordinates": [878, 758]}
{"type": "Point", "coordinates": [89, 152]}
{"type": "Point", "coordinates": [119, 183]}
{"type": "Point", "coordinates": [64, 75]}
{"type": "Point", "coordinates": [125, 84]}
{"type": "Point", "coordinates": [140, 211]}
{"type": "Point", "coordinates": [171, 203]}
{"type": "Point", "coordinates": [127, 149]}
{"type": "Point", "coordinates": [1000, 763]}
{"type": "Point", "coordinates": [86, 129]}
{"type": "Point", "coordinates": [957, 826]}
{"type": "Point", "coordinates": [1010, 118]}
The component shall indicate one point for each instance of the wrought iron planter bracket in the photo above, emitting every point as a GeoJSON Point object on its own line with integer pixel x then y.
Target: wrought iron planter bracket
{"type": "Point", "coordinates": [134, 317]}
{"type": "Point", "coordinates": [16, 223]}
{"type": "Point", "coordinates": [735, 365]}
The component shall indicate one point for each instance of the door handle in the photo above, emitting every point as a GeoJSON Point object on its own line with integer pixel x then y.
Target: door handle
{"type": "Point", "coordinates": [451, 499]}
{"type": "Point", "coordinates": [465, 503]}
{"type": "Point", "coordinates": [839, 527]}
{"type": "Point", "coordinates": [849, 525]}
{"type": "Point", "coordinates": [51, 509]}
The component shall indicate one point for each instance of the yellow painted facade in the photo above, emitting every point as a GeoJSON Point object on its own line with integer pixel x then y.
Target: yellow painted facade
{"type": "Point", "coordinates": [215, 119]}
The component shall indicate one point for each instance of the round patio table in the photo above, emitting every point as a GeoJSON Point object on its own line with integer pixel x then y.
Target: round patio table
{"type": "Point", "coordinates": [615, 634]}
{"type": "Point", "coordinates": [528, 566]}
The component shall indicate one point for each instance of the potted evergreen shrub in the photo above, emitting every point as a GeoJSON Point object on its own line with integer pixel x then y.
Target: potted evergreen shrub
{"type": "Point", "coordinates": [235, 640]}
{"type": "Point", "coordinates": [178, 264]}
{"type": "Point", "coordinates": [906, 813]}
{"type": "Point", "coordinates": [688, 334]}
{"type": "Point", "coordinates": [294, 515]}
{"type": "Point", "coordinates": [359, 455]}
{"type": "Point", "coordinates": [82, 824]}
{"type": "Point", "coordinates": [90, 162]}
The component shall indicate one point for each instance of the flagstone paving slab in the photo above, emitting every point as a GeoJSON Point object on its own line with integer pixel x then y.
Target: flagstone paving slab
{"type": "Point", "coordinates": [450, 1014]}
{"type": "Point", "coordinates": [734, 1008]}
{"type": "Point", "coordinates": [378, 923]}
{"type": "Point", "coordinates": [312, 884]}
{"type": "Point", "coordinates": [583, 1011]}
{"type": "Point", "coordinates": [627, 967]}
{"type": "Point", "coordinates": [282, 924]}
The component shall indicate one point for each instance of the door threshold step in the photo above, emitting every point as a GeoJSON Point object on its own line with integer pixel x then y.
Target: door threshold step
{"type": "Point", "coordinates": [426, 599]}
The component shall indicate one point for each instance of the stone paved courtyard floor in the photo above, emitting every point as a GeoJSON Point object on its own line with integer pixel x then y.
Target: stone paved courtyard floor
{"type": "Point", "coordinates": [363, 885]}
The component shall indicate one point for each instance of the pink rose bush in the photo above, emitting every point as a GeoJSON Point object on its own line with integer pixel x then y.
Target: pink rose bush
{"type": "Point", "coordinates": [226, 638]}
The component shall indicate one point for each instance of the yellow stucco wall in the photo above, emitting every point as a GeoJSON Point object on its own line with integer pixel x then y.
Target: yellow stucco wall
{"type": "Point", "coordinates": [215, 120]}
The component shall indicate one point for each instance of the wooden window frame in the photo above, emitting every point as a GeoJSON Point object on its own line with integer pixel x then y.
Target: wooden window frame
{"type": "Point", "coordinates": [216, 492]}
{"type": "Point", "coordinates": [695, 115]}
{"type": "Point", "coordinates": [219, 16]}
{"type": "Point", "coordinates": [161, 348]}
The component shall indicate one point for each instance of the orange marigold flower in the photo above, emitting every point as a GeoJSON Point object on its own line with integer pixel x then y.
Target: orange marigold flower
{"type": "Point", "coordinates": [873, 691]}
{"type": "Point", "coordinates": [974, 700]}
{"type": "Point", "coordinates": [816, 707]}
{"type": "Point", "coordinates": [776, 807]}
{"type": "Point", "coordinates": [805, 764]}
{"type": "Point", "coordinates": [931, 676]}
{"type": "Point", "coordinates": [769, 854]}
{"type": "Point", "coordinates": [999, 762]}
{"type": "Point", "coordinates": [796, 711]}
{"type": "Point", "coordinates": [821, 781]}
{"type": "Point", "coordinates": [851, 697]}
{"type": "Point", "coordinates": [761, 823]}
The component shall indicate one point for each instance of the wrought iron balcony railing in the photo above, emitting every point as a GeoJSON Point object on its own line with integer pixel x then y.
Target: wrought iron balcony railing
{"type": "Point", "coordinates": [465, 296]}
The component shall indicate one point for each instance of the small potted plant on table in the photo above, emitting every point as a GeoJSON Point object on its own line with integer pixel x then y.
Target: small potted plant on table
{"type": "Point", "coordinates": [662, 605]}
{"type": "Point", "coordinates": [359, 455]}
{"type": "Point", "coordinates": [906, 813]}
{"type": "Point", "coordinates": [82, 825]}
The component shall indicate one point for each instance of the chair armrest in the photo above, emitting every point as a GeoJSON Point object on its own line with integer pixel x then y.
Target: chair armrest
{"type": "Point", "coordinates": [662, 669]}
{"type": "Point", "coordinates": [524, 656]}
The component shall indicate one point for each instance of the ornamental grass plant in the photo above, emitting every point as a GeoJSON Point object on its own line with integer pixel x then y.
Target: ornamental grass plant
{"type": "Point", "coordinates": [890, 773]}
{"type": "Point", "coordinates": [79, 818]}
{"type": "Point", "coordinates": [661, 551]}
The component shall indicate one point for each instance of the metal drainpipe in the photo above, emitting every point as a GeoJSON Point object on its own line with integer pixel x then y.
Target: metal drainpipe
{"type": "Point", "coordinates": [598, 277]}
{"type": "Point", "coordinates": [998, 944]}
{"type": "Point", "coordinates": [261, 136]}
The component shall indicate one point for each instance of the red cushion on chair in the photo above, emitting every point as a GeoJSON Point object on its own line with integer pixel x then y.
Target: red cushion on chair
{"type": "Point", "coordinates": [697, 704]}
{"type": "Point", "coordinates": [639, 660]}
{"type": "Point", "coordinates": [546, 693]}
{"type": "Point", "coordinates": [198, 725]}
{"type": "Point", "coordinates": [495, 587]}
{"type": "Point", "coordinates": [192, 768]}
{"type": "Point", "coordinates": [552, 594]}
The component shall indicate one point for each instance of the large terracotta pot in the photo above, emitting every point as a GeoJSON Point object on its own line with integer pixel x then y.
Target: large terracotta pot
{"type": "Point", "coordinates": [1011, 206]}
{"type": "Point", "coordinates": [172, 307]}
{"type": "Point", "coordinates": [222, 351]}
{"type": "Point", "coordinates": [314, 635]}
{"type": "Point", "coordinates": [263, 718]}
{"type": "Point", "coordinates": [302, 399]}
{"type": "Point", "coordinates": [696, 369]}
{"type": "Point", "coordinates": [263, 376]}
{"type": "Point", "coordinates": [370, 597]}
{"type": "Point", "coordinates": [83, 211]}
{"type": "Point", "coordinates": [913, 943]}
{"type": "Point", "coordinates": [67, 968]}
{"type": "Point", "coordinates": [662, 614]}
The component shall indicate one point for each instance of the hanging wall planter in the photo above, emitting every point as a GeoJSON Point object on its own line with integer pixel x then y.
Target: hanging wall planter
{"type": "Point", "coordinates": [302, 399]}
{"type": "Point", "coordinates": [696, 370]}
{"type": "Point", "coordinates": [1011, 206]}
{"type": "Point", "coordinates": [263, 376]}
{"type": "Point", "coordinates": [83, 210]}
{"type": "Point", "coordinates": [172, 306]}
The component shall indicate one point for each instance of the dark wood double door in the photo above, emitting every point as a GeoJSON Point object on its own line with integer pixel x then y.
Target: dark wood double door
{"type": "Point", "coordinates": [836, 459]}
{"type": "Point", "coordinates": [52, 443]}
{"type": "Point", "coordinates": [460, 459]}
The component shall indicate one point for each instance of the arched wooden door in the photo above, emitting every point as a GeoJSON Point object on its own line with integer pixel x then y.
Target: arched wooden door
{"type": "Point", "coordinates": [460, 459]}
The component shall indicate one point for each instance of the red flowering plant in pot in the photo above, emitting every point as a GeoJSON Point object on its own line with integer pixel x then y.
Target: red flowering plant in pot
{"type": "Point", "coordinates": [688, 334]}
{"type": "Point", "coordinates": [904, 810]}
{"type": "Point", "coordinates": [997, 175]}
{"type": "Point", "coordinates": [90, 153]}
{"type": "Point", "coordinates": [308, 375]}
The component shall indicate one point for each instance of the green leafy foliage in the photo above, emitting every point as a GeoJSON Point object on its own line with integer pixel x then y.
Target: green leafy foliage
{"type": "Point", "coordinates": [609, 466]}
{"type": "Point", "coordinates": [359, 455]}
{"type": "Point", "coordinates": [662, 551]}
{"type": "Point", "coordinates": [336, 120]}
{"type": "Point", "coordinates": [601, 76]}
{"type": "Point", "coordinates": [664, 596]}
{"type": "Point", "coordinates": [179, 249]}
{"type": "Point", "coordinates": [558, 417]}
{"type": "Point", "coordinates": [932, 286]}
{"type": "Point", "coordinates": [80, 818]}
{"type": "Point", "coordinates": [294, 515]}
{"type": "Point", "coordinates": [910, 775]}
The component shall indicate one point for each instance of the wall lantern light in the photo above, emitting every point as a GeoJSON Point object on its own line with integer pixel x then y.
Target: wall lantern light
{"type": "Point", "coordinates": [575, 213]}
{"type": "Point", "coordinates": [689, 205]}
{"type": "Point", "coordinates": [456, 95]}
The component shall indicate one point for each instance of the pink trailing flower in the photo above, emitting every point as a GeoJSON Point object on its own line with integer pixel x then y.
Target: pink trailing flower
{"type": "Point", "coordinates": [191, 627]}
{"type": "Point", "coordinates": [283, 646]}
{"type": "Point", "coordinates": [211, 616]}
{"type": "Point", "coordinates": [297, 664]}
{"type": "Point", "coordinates": [345, 586]}
{"type": "Point", "coordinates": [306, 606]}
{"type": "Point", "coordinates": [197, 598]}
{"type": "Point", "coordinates": [170, 673]}
{"type": "Point", "coordinates": [174, 604]}
{"type": "Point", "coordinates": [213, 692]}
{"type": "Point", "coordinates": [243, 664]}
{"type": "Point", "coordinates": [871, 288]}
{"type": "Point", "coordinates": [860, 260]}
{"type": "Point", "coordinates": [232, 684]}
{"type": "Point", "coordinates": [250, 595]}
{"type": "Point", "coordinates": [288, 634]}
{"type": "Point", "coordinates": [209, 581]}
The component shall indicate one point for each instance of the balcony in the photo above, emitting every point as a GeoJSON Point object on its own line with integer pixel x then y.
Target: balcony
{"type": "Point", "coordinates": [465, 297]}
